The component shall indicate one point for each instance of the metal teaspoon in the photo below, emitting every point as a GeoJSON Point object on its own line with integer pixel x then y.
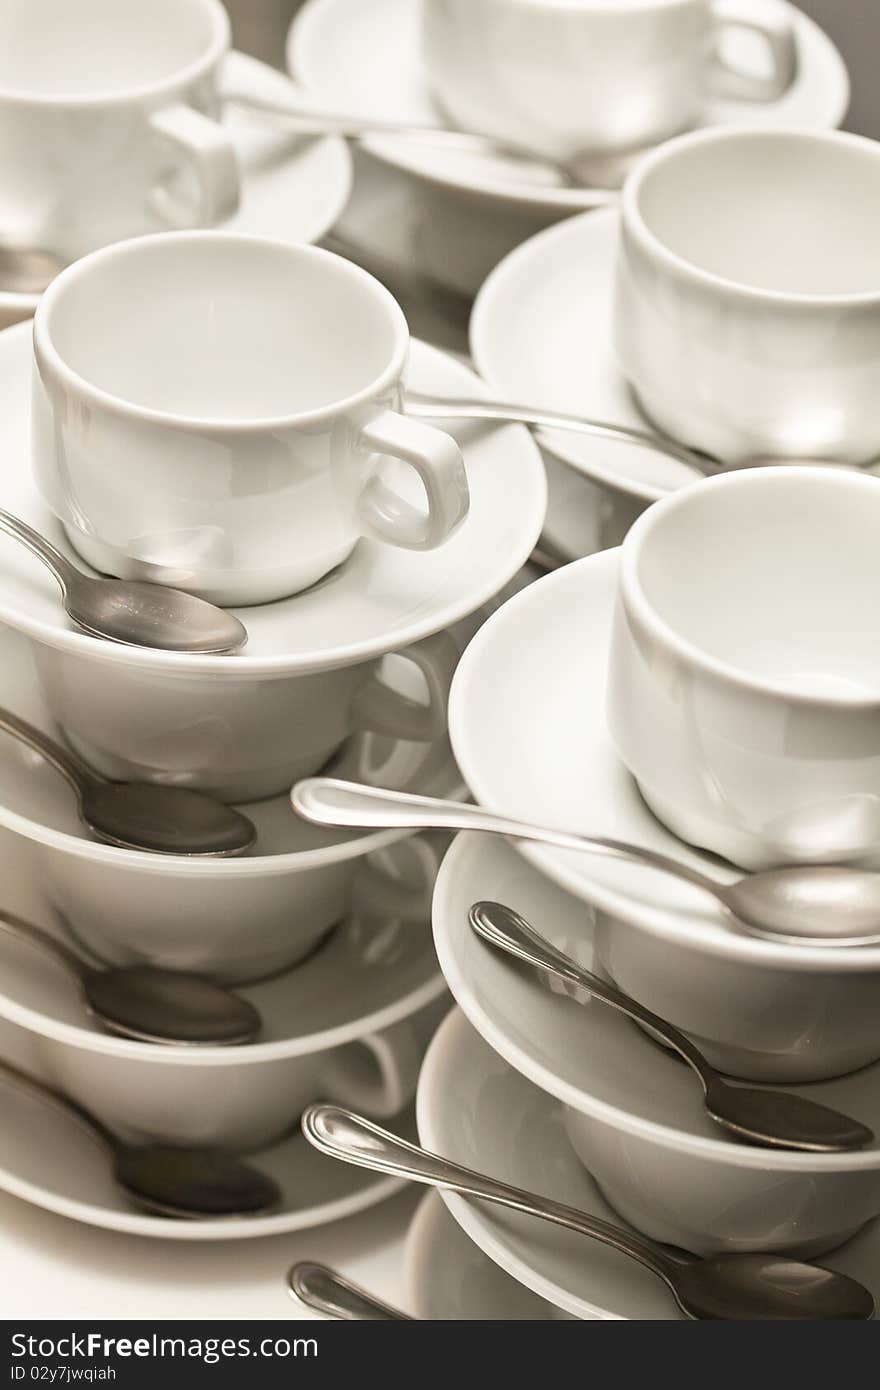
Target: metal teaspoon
{"type": "Point", "coordinates": [804, 904]}
{"type": "Point", "coordinates": [164, 1179]}
{"type": "Point", "coordinates": [329, 1293]}
{"type": "Point", "coordinates": [142, 815]}
{"type": "Point", "coordinates": [736, 1287]}
{"type": "Point", "coordinates": [146, 1003]}
{"type": "Point", "coordinates": [129, 612]}
{"type": "Point", "coordinates": [777, 1119]}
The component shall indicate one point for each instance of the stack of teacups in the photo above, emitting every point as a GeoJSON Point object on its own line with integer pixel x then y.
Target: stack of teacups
{"type": "Point", "coordinates": [709, 694]}
{"type": "Point", "coordinates": [221, 413]}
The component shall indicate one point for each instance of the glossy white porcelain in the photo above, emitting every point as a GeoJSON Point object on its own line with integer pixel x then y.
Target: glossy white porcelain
{"type": "Point", "coordinates": [234, 919]}
{"type": "Point", "coordinates": [256, 408]}
{"type": "Point", "coordinates": [329, 38]}
{"type": "Point", "coordinates": [760, 1009]}
{"type": "Point", "coordinates": [109, 116]}
{"type": "Point", "coordinates": [634, 1114]}
{"type": "Point", "coordinates": [761, 345]}
{"type": "Point", "coordinates": [246, 726]}
{"type": "Point", "coordinates": [567, 78]}
{"type": "Point", "coordinates": [744, 681]}
{"type": "Point", "coordinates": [474, 1108]}
{"type": "Point", "coordinates": [351, 1021]}
{"type": "Point", "coordinates": [290, 187]}
{"type": "Point", "coordinates": [448, 1278]}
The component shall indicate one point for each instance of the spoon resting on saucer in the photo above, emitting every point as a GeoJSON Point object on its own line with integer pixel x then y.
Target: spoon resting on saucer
{"type": "Point", "coordinates": [129, 612]}
{"type": "Point", "coordinates": [142, 815]}
{"type": "Point", "coordinates": [423, 406]}
{"type": "Point", "coordinates": [749, 1287]}
{"type": "Point", "coordinates": [27, 269]}
{"type": "Point", "coordinates": [329, 1293]}
{"type": "Point", "coordinates": [145, 1003]}
{"type": "Point", "coordinates": [774, 1118]}
{"type": "Point", "coordinates": [802, 904]}
{"type": "Point", "coordinates": [164, 1179]}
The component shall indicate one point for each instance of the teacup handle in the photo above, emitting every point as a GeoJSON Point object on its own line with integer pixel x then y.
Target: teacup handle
{"type": "Point", "coordinates": [377, 1073]}
{"type": "Point", "coordinates": [380, 709]}
{"type": "Point", "coordinates": [778, 33]}
{"type": "Point", "coordinates": [437, 460]}
{"type": "Point", "coordinates": [208, 151]}
{"type": "Point", "coordinates": [378, 894]}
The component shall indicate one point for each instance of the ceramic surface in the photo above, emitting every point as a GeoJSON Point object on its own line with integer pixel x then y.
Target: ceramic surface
{"type": "Point", "coordinates": [565, 79]}
{"type": "Point", "coordinates": [762, 1008]}
{"type": "Point", "coordinates": [109, 121]}
{"type": "Point", "coordinates": [745, 698]}
{"type": "Point", "coordinates": [258, 410]}
{"type": "Point", "coordinates": [448, 1278]}
{"type": "Point", "coordinates": [329, 38]}
{"type": "Point", "coordinates": [764, 346]}
{"type": "Point", "coordinates": [298, 690]}
{"type": "Point", "coordinates": [474, 1108]}
{"type": "Point", "coordinates": [290, 187]}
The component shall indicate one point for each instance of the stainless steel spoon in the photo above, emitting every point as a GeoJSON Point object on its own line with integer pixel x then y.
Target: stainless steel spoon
{"type": "Point", "coordinates": [164, 1179]}
{"type": "Point", "coordinates": [736, 1287]}
{"type": "Point", "coordinates": [145, 1003]}
{"type": "Point", "coordinates": [27, 269]}
{"type": "Point", "coordinates": [576, 175]}
{"type": "Point", "coordinates": [805, 904]}
{"type": "Point", "coordinates": [775, 1118]}
{"type": "Point", "coordinates": [142, 815]}
{"type": "Point", "coordinates": [129, 612]}
{"type": "Point", "coordinates": [329, 1293]}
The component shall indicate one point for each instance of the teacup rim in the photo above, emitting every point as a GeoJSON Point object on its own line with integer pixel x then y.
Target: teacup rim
{"type": "Point", "coordinates": [638, 604]}
{"type": "Point", "coordinates": [46, 353]}
{"type": "Point", "coordinates": [634, 224]}
{"type": "Point", "coordinates": [220, 43]}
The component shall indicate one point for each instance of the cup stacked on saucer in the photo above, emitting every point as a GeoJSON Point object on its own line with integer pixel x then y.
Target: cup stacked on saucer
{"type": "Point", "coordinates": [216, 417]}
{"type": "Point", "coordinates": [680, 740]}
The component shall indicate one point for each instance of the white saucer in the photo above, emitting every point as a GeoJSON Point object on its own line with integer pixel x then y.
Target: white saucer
{"type": "Point", "coordinates": [473, 1108]}
{"type": "Point", "coordinates": [383, 598]}
{"type": "Point", "coordinates": [448, 1278]}
{"type": "Point", "coordinates": [527, 725]}
{"type": "Point", "coordinates": [291, 188]}
{"type": "Point", "coordinates": [541, 331]}
{"type": "Point", "coordinates": [365, 58]}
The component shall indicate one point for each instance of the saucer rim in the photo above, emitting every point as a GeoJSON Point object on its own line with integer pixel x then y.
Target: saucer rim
{"type": "Point", "coordinates": [537, 200]}
{"type": "Point", "coordinates": [659, 923]}
{"type": "Point", "coordinates": [23, 303]}
{"type": "Point", "coordinates": [242, 666]}
{"type": "Point", "coordinates": [723, 1151]}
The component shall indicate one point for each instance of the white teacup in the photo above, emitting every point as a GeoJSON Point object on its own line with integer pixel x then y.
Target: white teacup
{"type": "Point", "coordinates": [747, 316]}
{"type": "Point", "coordinates": [220, 413]}
{"type": "Point", "coordinates": [569, 77]}
{"type": "Point", "coordinates": [744, 680]}
{"type": "Point", "coordinates": [108, 120]}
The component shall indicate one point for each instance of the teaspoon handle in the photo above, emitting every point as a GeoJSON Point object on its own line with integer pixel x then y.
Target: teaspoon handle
{"type": "Point", "coordinates": [329, 1293]}
{"type": "Point", "coordinates": [424, 406]}
{"type": "Point", "coordinates": [352, 1139]}
{"type": "Point", "coordinates": [60, 566]}
{"type": "Point", "coordinates": [329, 801]}
{"type": "Point", "coordinates": [503, 928]}
{"type": "Point", "coordinates": [67, 763]}
{"type": "Point", "coordinates": [43, 940]}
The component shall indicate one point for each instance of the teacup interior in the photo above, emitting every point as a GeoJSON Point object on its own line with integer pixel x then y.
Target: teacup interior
{"type": "Point", "coordinates": [99, 47]}
{"type": "Point", "coordinates": [777, 575]}
{"type": "Point", "coordinates": [218, 328]}
{"type": "Point", "coordinates": [782, 211]}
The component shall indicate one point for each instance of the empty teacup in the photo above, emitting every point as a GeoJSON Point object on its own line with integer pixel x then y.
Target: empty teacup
{"type": "Point", "coordinates": [747, 315]}
{"type": "Point", "coordinates": [569, 77]}
{"type": "Point", "coordinates": [108, 120]}
{"type": "Point", "coordinates": [223, 409]}
{"type": "Point", "coordinates": [744, 679]}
